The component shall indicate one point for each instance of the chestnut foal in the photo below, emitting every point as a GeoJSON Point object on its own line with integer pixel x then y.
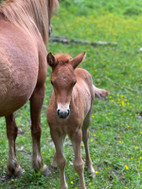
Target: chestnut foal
{"type": "Point", "coordinates": [69, 111]}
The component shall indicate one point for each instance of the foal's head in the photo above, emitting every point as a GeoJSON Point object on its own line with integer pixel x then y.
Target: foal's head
{"type": "Point", "coordinates": [63, 80]}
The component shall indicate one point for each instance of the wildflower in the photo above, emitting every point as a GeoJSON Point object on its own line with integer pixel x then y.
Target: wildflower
{"type": "Point", "coordinates": [43, 153]}
{"type": "Point", "coordinates": [89, 183]}
{"type": "Point", "coordinates": [141, 132]}
{"type": "Point", "coordinates": [94, 134]}
{"type": "Point", "coordinates": [71, 182]}
{"type": "Point", "coordinates": [93, 116]}
{"type": "Point", "coordinates": [120, 141]}
{"type": "Point", "coordinates": [83, 145]}
{"type": "Point", "coordinates": [140, 150]}
{"type": "Point", "coordinates": [128, 126]}
{"type": "Point", "coordinates": [91, 140]}
{"type": "Point", "coordinates": [126, 167]}
{"type": "Point", "coordinates": [136, 147]}
{"type": "Point", "coordinates": [96, 172]}
{"type": "Point", "coordinates": [140, 157]}
{"type": "Point", "coordinates": [12, 180]}
{"type": "Point", "coordinates": [123, 103]}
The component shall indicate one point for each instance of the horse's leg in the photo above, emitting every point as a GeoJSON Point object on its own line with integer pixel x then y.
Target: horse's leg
{"type": "Point", "coordinates": [61, 161]}
{"type": "Point", "coordinates": [13, 166]}
{"type": "Point", "coordinates": [85, 132]}
{"type": "Point", "coordinates": [78, 162]}
{"type": "Point", "coordinates": [35, 105]}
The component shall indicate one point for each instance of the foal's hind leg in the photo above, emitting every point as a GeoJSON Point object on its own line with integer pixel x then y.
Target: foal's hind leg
{"type": "Point", "coordinates": [85, 132]}
{"type": "Point", "coordinates": [13, 166]}
{"type": "Point", "coordinates": [36, 104]}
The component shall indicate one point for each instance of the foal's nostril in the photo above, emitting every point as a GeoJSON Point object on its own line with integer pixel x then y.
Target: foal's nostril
{"type": "Point", "coordinates": [58, 112]}
{"type": "Point", "coordinates": [63, 114]}
{"type": "Point", "coordinates": [68, 112]}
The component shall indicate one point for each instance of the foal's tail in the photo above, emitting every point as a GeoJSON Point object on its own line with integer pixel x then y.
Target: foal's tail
{"type": "Point", "coordinates": [100, 93]}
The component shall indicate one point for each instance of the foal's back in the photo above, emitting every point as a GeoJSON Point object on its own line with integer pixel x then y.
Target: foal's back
{"type": "Point", "coordinates": [84, 88]}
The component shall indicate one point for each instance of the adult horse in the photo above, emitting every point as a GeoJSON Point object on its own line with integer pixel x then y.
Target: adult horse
{"type": "Point", "coordinates": [24, 28]}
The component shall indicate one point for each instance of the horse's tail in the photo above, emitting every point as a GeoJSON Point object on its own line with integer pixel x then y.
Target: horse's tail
{"type": "Point", "coordinates": [100, 93]}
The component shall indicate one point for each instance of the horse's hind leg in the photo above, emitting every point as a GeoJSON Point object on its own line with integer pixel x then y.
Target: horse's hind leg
{"type": "Point", "coordinates": [85, 132]}
{"type": "Point", "coordinates": [13, 166]}
{"type": "Point", "coordinates": [36, 104]}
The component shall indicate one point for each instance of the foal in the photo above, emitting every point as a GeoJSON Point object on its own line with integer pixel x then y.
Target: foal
{"type": "Point", "coordinates": [69, 110]}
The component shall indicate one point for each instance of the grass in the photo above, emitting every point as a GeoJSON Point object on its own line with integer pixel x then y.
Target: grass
{"type": "Point", "coordinates": [116, 127]}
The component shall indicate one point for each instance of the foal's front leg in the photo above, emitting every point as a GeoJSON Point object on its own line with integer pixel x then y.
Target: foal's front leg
{"type": "Point", "coordinates": [59, 157]}
{"type": "Point", "coordinates": [36, 104]}
{"type": "Point", "coordinates": [78, 162]}
{"type": "Point", "coordinates": [13, 166]}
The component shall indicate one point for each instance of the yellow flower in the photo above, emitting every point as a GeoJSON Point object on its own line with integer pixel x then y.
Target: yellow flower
{"type": "Point", "coordinates": [128, 126]}
{"type": "Point", "coordinates": [140, 157]}
{"type": "Point", "coordinates": [120, 141]}
{"type": "Point", "coordinates": [140, 150]}
{"type": "Point", "coordinates": [123, 103]}
{"type": "Point", "coordinates": [83, 145]}
{"type": "Point", "coordinates": [111, 100]}
{"type": "Point", "coordinates": [93, 116]}
{"type": "Point", "coordinates": [94, 134]}
{"type": "Point", "coordinates": [126, 167]}
{"type": "Point", "coordinates": [89, 183]}
{"type": "Point", "coordinates": [91, 140]}
{"type": "Point", "coordinates": [140, 132]}
{"type": "Point", "coordinates": [12, 180]}
{"type": "Point", "coordinates": [71, 182]}
{"type": "Point", "coordinates": [136, 147]}
{"type": "Point", "coordinates": [96, 172]}
{"type": "Point", "coordinates": [43, 153]}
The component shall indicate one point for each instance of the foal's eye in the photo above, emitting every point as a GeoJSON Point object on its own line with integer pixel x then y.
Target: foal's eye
{"type": "Point", "coordinates": [52, 82]}
{"type": "Point", "coordinates": [74, 83]}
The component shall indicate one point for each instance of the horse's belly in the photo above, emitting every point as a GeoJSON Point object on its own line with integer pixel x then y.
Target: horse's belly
{"type": "Point", "coordinates": [18, 78]}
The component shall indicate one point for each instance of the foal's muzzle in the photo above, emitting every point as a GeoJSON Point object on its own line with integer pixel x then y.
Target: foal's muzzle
{"type": "Point", "coordinates": [63, 114]}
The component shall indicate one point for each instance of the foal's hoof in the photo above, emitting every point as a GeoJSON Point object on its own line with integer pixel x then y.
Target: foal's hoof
{"type": "Point", "coordinates": [92, 175]}
{"type": "Point", "coordinates": [17, 172]}
{"type": "Point", "coordinates": [91, 171]}
{"type": "Point", "coordinates": [45, 171]}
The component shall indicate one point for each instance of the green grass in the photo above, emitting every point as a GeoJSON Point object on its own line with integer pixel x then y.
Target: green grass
{"type": "Point", "coordinates": [116, 131]}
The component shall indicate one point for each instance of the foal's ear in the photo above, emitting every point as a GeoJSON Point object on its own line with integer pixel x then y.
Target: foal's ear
{"type": "Point", "coordinates": [78, 59]}
{"type": "Point", "coordinates": [51, 60]}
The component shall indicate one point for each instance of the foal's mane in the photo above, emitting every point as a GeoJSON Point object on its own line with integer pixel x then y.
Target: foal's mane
{"type": "Point", "coordinates": [29, 14]}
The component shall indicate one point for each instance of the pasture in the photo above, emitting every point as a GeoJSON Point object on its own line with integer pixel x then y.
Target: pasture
{"type": "Point", "coordinates": [116, 128]}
